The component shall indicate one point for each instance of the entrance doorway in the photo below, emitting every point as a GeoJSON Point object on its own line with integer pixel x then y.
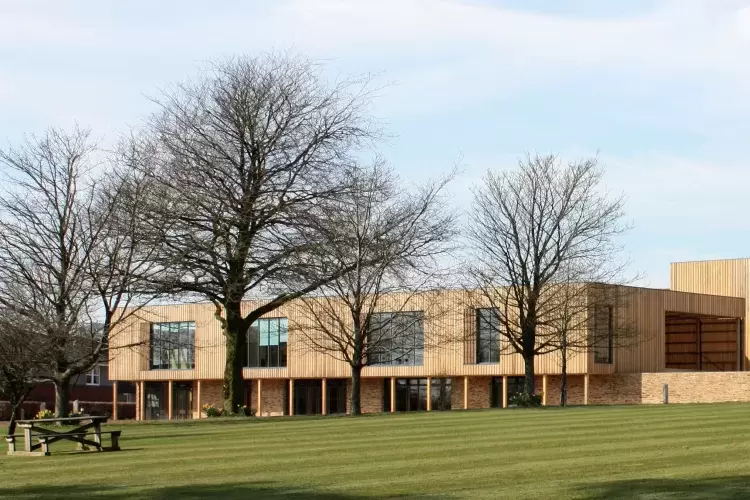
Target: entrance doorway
{"type": "Point", "coordinates": [308, 397]}
{"type": "Point", "coordinates": [182, 400]}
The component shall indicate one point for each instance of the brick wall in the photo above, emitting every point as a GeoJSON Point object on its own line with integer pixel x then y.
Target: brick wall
{"type": "Point", "coordinates": [371, 395]}
{"type": "Point", "coordinates": [272, 397]}
{"type": "Point", "coordinates": [696, 387]}
{"type": "Point", "coordinates": [211, 393]}
{"type": "Point", "coordinates": [479, 392]}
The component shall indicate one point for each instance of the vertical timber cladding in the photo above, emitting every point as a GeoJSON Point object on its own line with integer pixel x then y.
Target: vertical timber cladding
{"type": "Point", "coordinates": [646, 310]}
{"type": "Point", "coordinates": [728, 277]}
{"type": "Point", "coordinates": [445, 336]}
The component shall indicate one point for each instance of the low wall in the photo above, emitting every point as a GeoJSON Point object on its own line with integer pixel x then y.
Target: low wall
{"type": "Point", "coordinates": [696, 387]}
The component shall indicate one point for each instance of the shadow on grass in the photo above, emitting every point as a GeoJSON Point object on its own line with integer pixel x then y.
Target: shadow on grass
{"type": "Point", "coordinates": [229, 491]}
{"type": "Point", "coordinates": [716, 488]}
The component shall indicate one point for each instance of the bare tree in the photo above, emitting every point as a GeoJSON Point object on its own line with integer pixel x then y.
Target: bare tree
{"type": "Point", "coordinates": [538, 235]}
{"type": "Point", "coordinates": [22, 361]}
{"type": "Point", "coordinates": [588, 318]}
{"type": "Point", "coordinates": [395, 238]}
{"type": "Point", "coordinates": [63, 267]}
{"type": "Point", "coordinates": [238, 160]}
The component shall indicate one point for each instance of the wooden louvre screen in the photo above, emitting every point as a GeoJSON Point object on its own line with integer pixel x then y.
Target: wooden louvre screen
{"type": "Point", "coordinates": [470, 336]}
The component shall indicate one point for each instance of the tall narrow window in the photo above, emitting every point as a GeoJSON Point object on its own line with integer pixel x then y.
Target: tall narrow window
{"type": "Point", "coordinates": [267, 343]}
{"type": "Point", "coordinates": [603, 334]}
{"type": "Point", "coordinates": [173, 346]}
{"type": "Point", "coordinates": [396, 338]}
{"type": "Point", "coordinates": [488, 336]}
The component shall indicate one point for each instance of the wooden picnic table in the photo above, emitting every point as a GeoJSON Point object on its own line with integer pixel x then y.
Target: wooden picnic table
{"type": "Point", "coordinates": [48, 436]}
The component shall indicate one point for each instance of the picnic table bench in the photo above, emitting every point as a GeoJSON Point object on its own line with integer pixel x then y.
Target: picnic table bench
{"type": "Point", "coordinates": [90, 426]}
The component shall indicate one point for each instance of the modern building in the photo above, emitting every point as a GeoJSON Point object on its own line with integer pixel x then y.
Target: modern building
{"type": "Point", "coordinates": [689, 337]}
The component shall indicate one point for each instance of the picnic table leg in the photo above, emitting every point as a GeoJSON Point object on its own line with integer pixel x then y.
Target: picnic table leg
{"type": "Point", "coordinates": [27, 439]}
{"type": "Point", "coordinates": [98, 435]}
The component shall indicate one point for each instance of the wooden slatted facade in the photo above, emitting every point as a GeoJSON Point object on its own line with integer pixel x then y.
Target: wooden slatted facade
{"type": "Point", "coordinates": [729, 277]}
{"type": "Point", "coordinates": [449, 341]}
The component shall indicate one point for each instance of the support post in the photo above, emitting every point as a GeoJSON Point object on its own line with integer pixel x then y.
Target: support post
{"type": "Point", "coordinates": [169, 400]}
{"type": "Point", "coordinates": [27, 439]}
{"type": "Point", "coordinates": [260, 397]}
{"type": "Point", "coordinates": [429, 394]}
{"type": "Point", "coordinates": [505, 391]}
{"type": "Point", "coordinates": [393, 394]}
{"type": "Point", "coordinates": [665, 393]}
{"type": "Point", "coordinates": [586, 389]}
{"type": "Point", "coordinates": [291, 396]}
{"type": "Point", "coordinates": [324, 397]}
{"type": "Point", "coordinates": [466, 393]}
{"type": "Point", "coordinates": [198, 399]}
{"type": "Point", "coordinates": [699, 341]}
{"type": "Point", "coordinates": [114, 400]}
{"type": "Point", "coordinates": [142, 400]}
{"type": "Point", "coordinates": [544, 390]}
{"type": "Point", "coordinates": [740, 346]}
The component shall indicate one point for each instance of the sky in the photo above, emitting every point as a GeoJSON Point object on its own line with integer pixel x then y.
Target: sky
{"type": "Point", "coordinates": [657, 88]}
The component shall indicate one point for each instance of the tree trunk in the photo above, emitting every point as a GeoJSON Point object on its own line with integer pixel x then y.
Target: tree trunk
{"type": "Point", "coordinates": [62, 398]}
{"type": "Point", "coordinates": [564, 370]}
{"type": "Point", "coordinates": [564, 382]}
{"type": "Point", "coordinates": [14, 407]}
{"type": "Point", "coordinates": [234, 333]}
{"type": "Point", "coordinates": [355, 402]}
{"type": "Point", "coordinates": [529, 375]}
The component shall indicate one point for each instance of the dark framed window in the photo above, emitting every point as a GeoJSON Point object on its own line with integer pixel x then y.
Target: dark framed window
{"type": "Point", "coordinates": [411, 394]}
{"type": "Point", "coordinates": [156, 398]}
{"type": "Point", "coordinates": [172, 346]}
{"type": "Point", "coordinates": [441, 394]}
{"type": "Point", "coordinates": [488, 336]}
{"type": "Point", "coordinates": [336, 396]}
{"type": "Point", "coordinates": [308, 399]}
{"type": "Point", "coordinates": [603, 334]}
{"type": "Point", "coordinates": [396, 338]}
{"type": "Point", "coordinates": [515, 386]}
{"type": "Point", "coordinates": [267, 343]}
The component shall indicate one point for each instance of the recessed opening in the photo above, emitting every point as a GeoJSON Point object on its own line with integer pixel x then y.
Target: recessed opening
{"type": "Point", "coordinates": [697, 342]}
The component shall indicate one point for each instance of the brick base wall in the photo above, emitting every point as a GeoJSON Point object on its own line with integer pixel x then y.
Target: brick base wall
{"type": "Point", "coordinates": [272, 398]}
{"type": "Point", "coordinates": [637, 388]}
{"type": "Point", "coordinates": [371, 395]}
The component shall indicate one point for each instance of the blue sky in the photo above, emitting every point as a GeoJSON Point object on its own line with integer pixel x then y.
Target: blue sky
{"type": "Point", "coordinates": [659, 88]}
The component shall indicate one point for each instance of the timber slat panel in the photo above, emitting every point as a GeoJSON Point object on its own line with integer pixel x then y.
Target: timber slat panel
{"type": "Point", "coordinates": [645, 310]}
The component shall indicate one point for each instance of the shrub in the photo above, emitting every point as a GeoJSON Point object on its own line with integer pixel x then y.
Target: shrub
{"type": "Point", "coordinates": [211, 411]}
{"type": "Point", "coordinates": [44, 414]}
{"type": "Point", "coordinates": [525, 400]}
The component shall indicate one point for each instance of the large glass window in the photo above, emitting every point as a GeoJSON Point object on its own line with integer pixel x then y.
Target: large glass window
{"type": "Point", "coordinates": [441, 394]}
{"type": "Point", "coordinates": [267, 343]}
{"type": "Point", "coordinates": [396, 338]}
{"type": "Point", "coordinates": [336, 397]}
{"type": "Point", "coordinates": [411, 394]}
{"type": "Point", "coordinates": [173, 346]}
{"type": "Point", "coordinates": [488, 336]}
{"type": "Point", "coordinates": [515, 386]}
{"type": "Point", "coordinates": [603, 335]}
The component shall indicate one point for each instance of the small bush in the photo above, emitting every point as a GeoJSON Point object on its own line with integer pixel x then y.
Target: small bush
{"type": "Point", "coordinates": [44, 414]}
{"type": "Point", "coordinates": [211, 411]}
{"type": "Point", "coordinates": [525, 400]}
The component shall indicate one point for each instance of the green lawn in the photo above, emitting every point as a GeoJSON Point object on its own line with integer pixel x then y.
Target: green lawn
{"type": "Point", "coordinates": [648, 452]}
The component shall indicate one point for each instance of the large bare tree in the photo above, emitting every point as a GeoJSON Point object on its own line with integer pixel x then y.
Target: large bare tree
{"type": "Point", "coordinates": [238, 160]}
{"type": "Point", "coordinates": [539, 234]}
{"type": "Point", "coordinates": [63, 266]}
{"type": "Point", "coordinates": [395, 237]}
